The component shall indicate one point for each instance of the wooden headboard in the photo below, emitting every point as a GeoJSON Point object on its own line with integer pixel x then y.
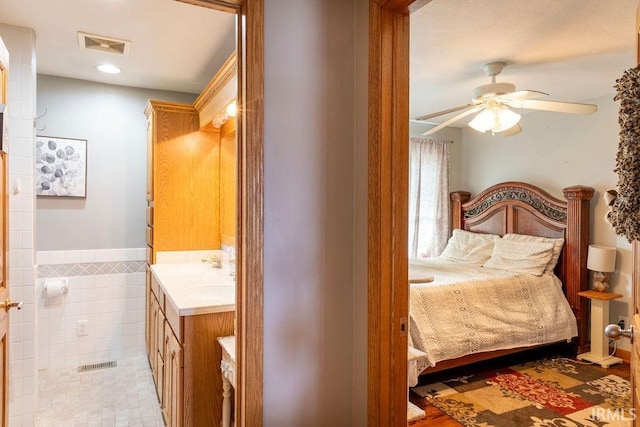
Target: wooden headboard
{"type": "Point", "coordinates": [517, 207]}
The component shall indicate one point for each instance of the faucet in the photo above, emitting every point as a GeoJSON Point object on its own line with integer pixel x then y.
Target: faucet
{"type": "Point", "coordinates": [213, 260]}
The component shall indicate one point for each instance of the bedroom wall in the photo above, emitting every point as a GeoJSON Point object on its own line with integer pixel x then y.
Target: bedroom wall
{"type": "Point", "coordinates": [556, 151]}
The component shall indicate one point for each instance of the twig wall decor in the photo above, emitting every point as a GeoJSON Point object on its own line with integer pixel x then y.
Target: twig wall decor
{"type": "Point", "coordinates": [625, 212]}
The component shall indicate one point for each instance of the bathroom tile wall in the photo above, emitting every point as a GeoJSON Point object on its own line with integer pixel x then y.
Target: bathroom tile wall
{"type": "Point", "coordinates": [21, 275]}
{"type": "Point", "coordinates": [106, 288]}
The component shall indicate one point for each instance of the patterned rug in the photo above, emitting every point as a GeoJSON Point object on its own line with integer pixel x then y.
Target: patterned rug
{"type": "Point", "coordinates": [545, 393]}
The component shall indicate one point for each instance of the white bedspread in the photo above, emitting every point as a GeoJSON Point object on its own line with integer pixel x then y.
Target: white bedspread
{"type": "Point", "coordinates": [470, 309]}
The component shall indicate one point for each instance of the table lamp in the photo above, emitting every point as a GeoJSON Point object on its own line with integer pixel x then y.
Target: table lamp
{"type": "Point", "coordinates": [601, 260]}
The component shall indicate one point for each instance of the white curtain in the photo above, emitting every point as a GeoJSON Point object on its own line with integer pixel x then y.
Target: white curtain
{"type": "Point", "coordinates": [429, 217]}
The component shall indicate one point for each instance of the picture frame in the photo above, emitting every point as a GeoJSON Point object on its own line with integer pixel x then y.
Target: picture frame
{"type": "Point", "coordinates": [61, 167]}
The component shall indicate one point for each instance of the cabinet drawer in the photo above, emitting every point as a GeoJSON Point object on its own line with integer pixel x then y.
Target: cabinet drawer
{"type": "Point", "coordinates": [150, 216]}
{"type": "Point", "coordinates": [157, 291]}
{"type": "Point", "coordinates": [150, 236]}
{"type": "Point", "coordinates": [175, 321]}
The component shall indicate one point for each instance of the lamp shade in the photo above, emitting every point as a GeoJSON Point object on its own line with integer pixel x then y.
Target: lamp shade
{"type": "Point", "coordinates": [601, 258]}
{"type": "Point", "coordinates": [496, 118]}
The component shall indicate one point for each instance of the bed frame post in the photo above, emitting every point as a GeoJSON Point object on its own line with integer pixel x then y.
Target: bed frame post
{"type": "Point", "coordinates": [577, 243]}
{"type": "Point", "coordinates": [458, 198]}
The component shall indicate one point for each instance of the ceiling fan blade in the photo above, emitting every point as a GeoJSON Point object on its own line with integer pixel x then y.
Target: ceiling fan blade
{"type": "Point", "coordinates": [443, 112]}
{"type": "Point", "coordinates": [522, 94]}
{"type": "Point", "coordinates": [513, 130]}
{"type": "Point", "coordinates": [453, 119]}
{"type": "Point", "coordinates": [557, 106]}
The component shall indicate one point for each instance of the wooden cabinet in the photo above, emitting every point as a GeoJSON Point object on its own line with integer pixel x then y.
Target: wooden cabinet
{"type": "Point", "coordinates": [156, 334]}
{"type": "Point", "coordinates": [183, 180]}
{"type": "Point", "coordinates": [183, 213]}
{"type": "Point", "coordinates": [191, 181]}
{"type": "Point", "coordinates": [186, 361]}
{"type": "Point", "coordinates": [172, 387]}
{"type": "Point", "coordinates": [228, 183]}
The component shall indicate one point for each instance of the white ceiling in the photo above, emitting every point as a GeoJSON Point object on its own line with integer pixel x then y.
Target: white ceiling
{"type": "Point", "coordinates": [574, 50]}
{"type": "Point", "coordinates": [175, 46]}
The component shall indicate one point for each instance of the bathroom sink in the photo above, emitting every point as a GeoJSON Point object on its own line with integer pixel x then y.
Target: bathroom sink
{"type": "Point", "coordinates": [212, 292]}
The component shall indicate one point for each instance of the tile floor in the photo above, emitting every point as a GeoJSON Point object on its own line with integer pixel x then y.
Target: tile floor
{"type": "Point", "coordinates": [119, 396]}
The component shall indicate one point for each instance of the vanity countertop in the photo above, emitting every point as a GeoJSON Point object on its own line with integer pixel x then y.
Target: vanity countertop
{"type": "Point", "coordinates": [196, 288]}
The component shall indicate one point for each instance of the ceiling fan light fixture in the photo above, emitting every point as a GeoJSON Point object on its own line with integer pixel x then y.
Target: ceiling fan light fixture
{"type": "Point", "coordinates": [495, 119]}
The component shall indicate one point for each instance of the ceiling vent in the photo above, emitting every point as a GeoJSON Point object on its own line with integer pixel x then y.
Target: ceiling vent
{"type": "Point", "coordinates": [103, 44]}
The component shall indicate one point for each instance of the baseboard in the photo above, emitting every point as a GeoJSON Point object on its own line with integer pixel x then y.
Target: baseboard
{"type": "Point", "coordinates": [622, 354]}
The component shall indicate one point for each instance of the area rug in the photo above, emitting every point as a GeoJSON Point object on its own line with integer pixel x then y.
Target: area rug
{"type": "Point", "coordinates": [554, 392]}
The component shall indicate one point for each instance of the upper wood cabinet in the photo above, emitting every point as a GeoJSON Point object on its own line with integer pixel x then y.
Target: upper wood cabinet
{"type": "Point", "coordinates": [228, 183]}
{"type": "Point", "coordinates": [184, 180]}
{"type": "Point", "coordinates": [191, 169]}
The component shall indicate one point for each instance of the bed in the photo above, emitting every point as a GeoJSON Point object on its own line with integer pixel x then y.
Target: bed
{"type": "Point", "coordinates": [450, 321]}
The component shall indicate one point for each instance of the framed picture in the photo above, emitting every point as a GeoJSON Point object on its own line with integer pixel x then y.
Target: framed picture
{"type": "Point", "coordinates": [61, 167]}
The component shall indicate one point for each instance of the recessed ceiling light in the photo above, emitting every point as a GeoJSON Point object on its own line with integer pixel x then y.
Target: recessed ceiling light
{"type": "Point", "coordinates": [108, 68]}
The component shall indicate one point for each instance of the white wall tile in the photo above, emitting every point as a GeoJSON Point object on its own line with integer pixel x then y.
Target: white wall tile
{"type": "Point", "coordinates": [102, 255]}
{"type": "Point", "coordinates": [28, 258]}
{"type": "Point", "coordinates": [88, 256]}
{"type": "Point", "coordinates": [115, 323]}
{"type": "Point", "coordinates": [29, 349]}
{"type": "Point", "coordinates": [57, 257]}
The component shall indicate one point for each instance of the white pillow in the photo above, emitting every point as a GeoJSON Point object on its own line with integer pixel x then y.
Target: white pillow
{"type": "Point", "coordinates": [520, 257]}
{"type": "Point", "coordinates": [469, 248]}
{"type": "Point", "coordinates": [557, 247]}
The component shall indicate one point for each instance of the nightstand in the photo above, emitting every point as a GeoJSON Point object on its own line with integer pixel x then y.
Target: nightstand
{"type": "Point", "coordinates": [599, 319]}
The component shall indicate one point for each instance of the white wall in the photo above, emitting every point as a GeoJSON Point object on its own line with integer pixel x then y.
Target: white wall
{"type": "Point", "coordinates": [309, 213]}
{"type": "Point", "coordinates": [556, 151]}
{"type": "Point", "coordinates": [22, 100]}
{"type": "Point", "coordinates": [111, 119]}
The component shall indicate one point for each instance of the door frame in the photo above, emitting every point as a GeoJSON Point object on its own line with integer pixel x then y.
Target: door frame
{"type": "Point", "coordinates": [388, 194]}
{"type": "Point", "coordinates": [249, 205]}
{"type": "Point", "coordinates": [387, 197]}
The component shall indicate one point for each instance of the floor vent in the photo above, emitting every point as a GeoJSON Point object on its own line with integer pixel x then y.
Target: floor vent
{"type": "Point", "coordinates": [95, 366]}
{"type": "Point", "coordinates": [103, 44]}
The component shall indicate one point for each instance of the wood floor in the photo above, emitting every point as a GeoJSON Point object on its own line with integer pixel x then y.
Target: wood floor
{"type": "Point", "coordinates": [436, 417]}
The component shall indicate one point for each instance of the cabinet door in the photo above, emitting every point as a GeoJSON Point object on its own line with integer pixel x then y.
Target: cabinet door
{"type": "Point", "coordinates": [153, 316]}
{"type": "Point", "coordinates": [159, 351]}
{"type": "Point", "coordinates": [172, 388]}
{"type": "Point", "coordinates": [147, 315]}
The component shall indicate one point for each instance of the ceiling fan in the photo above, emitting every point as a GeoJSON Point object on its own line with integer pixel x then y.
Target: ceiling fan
{"type": "Point", "coordinates": [493, 103]}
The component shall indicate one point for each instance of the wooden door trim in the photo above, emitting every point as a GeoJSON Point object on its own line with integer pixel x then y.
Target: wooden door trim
{"type": "Point", "coordinates": [387, 257]}
{"type": "Point", "coordinates": [388, 304]}
{"type": "Point", "coordinates": [250, 206]}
